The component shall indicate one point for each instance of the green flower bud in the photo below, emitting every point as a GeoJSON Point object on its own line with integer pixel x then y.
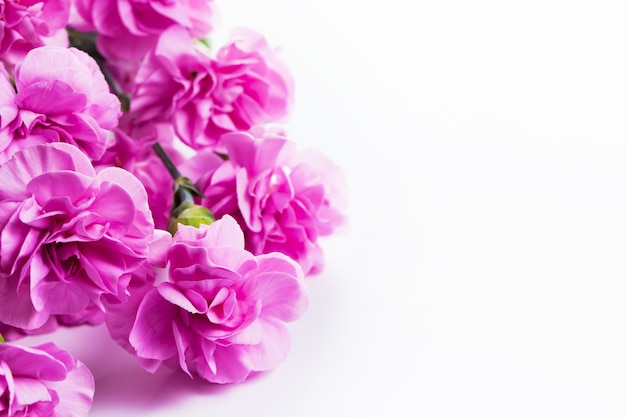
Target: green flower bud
{"type": "Point", "coordinates": [191, 215]}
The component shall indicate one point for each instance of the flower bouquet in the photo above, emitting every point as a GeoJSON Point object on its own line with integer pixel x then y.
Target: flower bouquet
{"type": "Point", "coordinates": [147, 184]}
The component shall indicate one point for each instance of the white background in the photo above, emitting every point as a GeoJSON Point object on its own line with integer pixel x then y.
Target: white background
{"type": "Point", "coordinates": [483, 270]}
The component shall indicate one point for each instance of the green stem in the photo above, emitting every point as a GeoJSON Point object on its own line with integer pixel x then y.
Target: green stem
{"type": "Point", "coordinates": [164, 157]}
{"type": "Point", "coordinates": [184, 190]}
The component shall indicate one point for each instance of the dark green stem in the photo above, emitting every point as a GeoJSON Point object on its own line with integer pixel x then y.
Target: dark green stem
{"type": "Point", "coordinates": [164, 157]}
{"type": "Point", "coordinates": [184, 190]}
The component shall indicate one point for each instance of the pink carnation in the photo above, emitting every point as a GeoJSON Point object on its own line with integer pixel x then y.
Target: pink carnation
{"type": "Point", "coordinates": [133, 151]}
{"type": "Point", "coordinates": [204, 97]}
{"type": "Point", "coordinates": [221, 312]}
{"type": "Point", "coordinates": [282, 200]}
{"type": "Point", "coordinates": [43, 381]}
{"type": "Point", "coordinates": [68, 235]}
{"type": "Point", "coordinates": [128, 29]}
{"type": "Point", "coordinates": [61, 97]}
{"type": "Point", "coordinates": [25, 25]}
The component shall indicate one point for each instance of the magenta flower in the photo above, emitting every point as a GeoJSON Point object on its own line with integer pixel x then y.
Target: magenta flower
{"type": "Point", "coordinates": [61, 97]}
{"type": "Point", "coordinates": [204, 97]}
{"type": "Point", "coordinates": [282, 200]}
{"type": "Point", "coordinates": [43, 381]}
{"type": "Point", "coordinates": [25, 25]}
{"type": "Point", "coordinates": [128, 29]}
{"type": "Point", "coordinates": [221, 312]}
{"type": "Point", "coordinates": [133, 151]}
{"type": "Point", "coordinates": [68, 235]}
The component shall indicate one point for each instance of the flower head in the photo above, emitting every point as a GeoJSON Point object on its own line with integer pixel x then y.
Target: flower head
{"type": "Point", "coordinates": [221, 311]}
{"type": "Point", "coordinates": [43, 381]}
{"type": "Point", "coordinates": [68, 235]}
{"type": "Point", "coordinates": [127, 29]}
{"type": "Point", "coordinates": [61, 97]}
{"type": "Point", "coordinates": [283, 200]}
{"type": "Point", "coordinates": [25, 25]}
{"type": "Point", "coordinates": [204, 97]}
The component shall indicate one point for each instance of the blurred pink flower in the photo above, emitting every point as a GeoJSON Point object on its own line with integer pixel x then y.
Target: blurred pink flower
{"type": "Point", "coordinates": [25, 25]}
{"type": "Point", "coordinates": [61, 97]}
{"type": "Point", "coordinates": [43, 381]}
{"type": "Point", "coordinates": [128, 29]}
{"type": "Point", "coordinates": [68, 235]}
{"type": "Point", "coordinates": [204, 97]}
{"type": "Point", "coordinates": [282, 199]}
{"type": "Point", "coordinates": [221, 311]}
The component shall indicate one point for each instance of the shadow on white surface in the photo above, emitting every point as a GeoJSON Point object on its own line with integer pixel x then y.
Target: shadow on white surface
{"type": "Point", "coordinates": [132, 388]}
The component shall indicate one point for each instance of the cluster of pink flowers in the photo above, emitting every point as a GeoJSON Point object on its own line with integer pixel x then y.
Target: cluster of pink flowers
{"type": "Point", "coordinates": [146, 185]}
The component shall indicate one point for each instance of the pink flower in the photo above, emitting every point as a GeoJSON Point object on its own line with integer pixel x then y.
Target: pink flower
{"type": "Point", "coordinates": [133, 151]}
{"type": "Point", "coordinates": [25, 25]}
{"type": "Point", "coordinates": [43, 381]}
{"type": "Point", "coordinates": [282, 200]}
{"type": "Point", "coordinates": [68, 235]}
{"type": "Point", "coordinates": [221, 311]}
{"type": "Point", "coordinates": [128, 29]}
{"type": "Point", "coordinates": [204, 97]}
{"type": "Point", "coordinates": [61, 97]}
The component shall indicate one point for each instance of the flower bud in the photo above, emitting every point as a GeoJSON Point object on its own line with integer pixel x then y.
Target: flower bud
{"type": "Point", "coordinates": [191, 215]}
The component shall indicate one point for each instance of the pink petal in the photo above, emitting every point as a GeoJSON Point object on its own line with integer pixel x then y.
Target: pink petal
{"type": "Point", "coordinates": [16, 173]}
{"type": "Point", "coordinates": [30, 391]}
{"type": "Point", "coordinates": [17, 310]}
{"type": "Point", "coordinates": [54, 97]}
{"type": "Point", "coordinates": [128, 182]}
{"type": "Point", "coordinates": [59, 298]}
{"type": "Point", "coordinates": [152, 335]}
{"type": "Point", "coordinates": [157, 253]}
{"type": "Point", "coordinates": [48, 64]}
{"type": "Point", "coordinates": [273, 348]}
{"type": "Point", "coordinates": [230, 365]}
{"type": "Point", "coordinates": [283, 296]}
{"type": "Point", "coordinates": [116, 208]}
{"type": "Point", "coordinates": [175, 296]}
{"type": "Point", "coordinates": [61, 184]}
{"type": "Point", "coordinates": [75, 392]}
{"type": "Point", "coordinates": [120, 316]}
{"type": "Point", "coordinates": [181, 347]}
{"type": "Point", "coordinates": [234, 259]}
{"type": "Point", "coordinates": [32, 362]}
{"type": "Point", "coordinates": [225, 232]}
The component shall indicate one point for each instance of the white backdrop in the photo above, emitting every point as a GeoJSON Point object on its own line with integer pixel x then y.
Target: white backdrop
{"type": "Point", "coordinates": [482, 273]}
